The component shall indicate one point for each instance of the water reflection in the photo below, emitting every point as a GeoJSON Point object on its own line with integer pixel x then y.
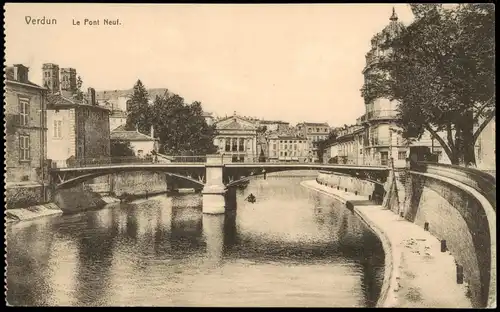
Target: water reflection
{"type": "Point", "coordinates": [293, 247]}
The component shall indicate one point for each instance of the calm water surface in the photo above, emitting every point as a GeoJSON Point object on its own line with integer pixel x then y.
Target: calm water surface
{"type": "Point", "coordinates": [293, 247]}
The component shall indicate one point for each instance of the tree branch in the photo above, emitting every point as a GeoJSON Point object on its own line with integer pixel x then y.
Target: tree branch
{"type": "Point", "coordinates": [482, 126]}
{"type": "Point", "coordinates": [440, 140]}
{"type": "Point", "coordinates": [478, 114]}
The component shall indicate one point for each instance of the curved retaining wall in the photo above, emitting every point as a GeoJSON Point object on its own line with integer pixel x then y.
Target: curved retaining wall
{"type": "Point", "coordinates": [464, 218]}
{"type": "Point", "coordinates": [459, 207]}
{"type": "Point", "coordinates": [453, 202]}
{"type": "Point", "coordinates": [352, 184]}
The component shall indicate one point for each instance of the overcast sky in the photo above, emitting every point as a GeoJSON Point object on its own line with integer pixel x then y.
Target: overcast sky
{"type": "Point", "coordinates": [291, 62]}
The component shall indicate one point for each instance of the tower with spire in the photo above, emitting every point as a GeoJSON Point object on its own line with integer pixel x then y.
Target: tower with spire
{"type": "Point", "coordinates": [394, 16]}
{"type": "Point", "coordinates": [380, 117]}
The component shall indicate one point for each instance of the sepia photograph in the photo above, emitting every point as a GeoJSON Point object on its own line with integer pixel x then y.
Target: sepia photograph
{"type": "Point", "coordinates": [250, 155]}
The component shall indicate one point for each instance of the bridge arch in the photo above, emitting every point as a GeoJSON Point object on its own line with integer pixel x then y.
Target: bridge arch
{"type": "Point", "coordinates": [74, 178]}
{"type": "Point", "coordinates": [378, 176]}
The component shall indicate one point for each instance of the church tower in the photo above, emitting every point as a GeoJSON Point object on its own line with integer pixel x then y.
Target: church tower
{"type": "Point", "coordinates": [68, 80]}
{"type": "Point", "coordinates": [51, 77]}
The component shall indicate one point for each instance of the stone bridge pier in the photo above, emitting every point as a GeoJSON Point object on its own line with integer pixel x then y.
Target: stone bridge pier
{"type": "Point", "coordinates": [214, 190]}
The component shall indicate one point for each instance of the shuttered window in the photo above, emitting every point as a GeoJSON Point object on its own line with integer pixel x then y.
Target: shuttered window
{"type": "Point", "coordinates": [23, 111]}
{"type": "Point", "coordinates": [24, 147]}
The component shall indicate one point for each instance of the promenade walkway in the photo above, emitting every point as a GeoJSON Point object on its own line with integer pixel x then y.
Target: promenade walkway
{"type": "Point", "coordinates": [418, 274]}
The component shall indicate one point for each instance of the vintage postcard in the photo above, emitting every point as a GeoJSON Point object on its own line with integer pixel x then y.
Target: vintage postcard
{"type": "Point", "coordinates": [250, 155]}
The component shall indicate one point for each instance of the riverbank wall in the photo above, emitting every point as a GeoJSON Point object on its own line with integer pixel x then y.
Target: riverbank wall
{"type": "Point", "coordinates": [27, 203]}
{"type": "Point", "coordinates": [454, 205]}
{"type": "Point", "coordinates": [458, 206]}
{"type": "Point", "coordinates": [414, 264]}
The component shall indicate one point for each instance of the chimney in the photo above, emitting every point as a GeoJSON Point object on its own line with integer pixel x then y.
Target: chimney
{"type": "Point", "coordinates": [21, 73]}
{"type": "Point", "coordinates": [91, 96]}
{"type": "Point", "coordinates": [152, 132]}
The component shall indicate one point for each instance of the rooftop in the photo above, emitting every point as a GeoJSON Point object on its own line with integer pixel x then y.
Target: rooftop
{"type": "Point", "coordinates": [121, 135]}
{"type": "Point", "coordinates": [58, 101]}
{"type": "Point", "coordinates": [113, 94]}
{"type": "Point", "coordinates": [9, 74]}
{"type": "Point", "coordinates": [322, 124]}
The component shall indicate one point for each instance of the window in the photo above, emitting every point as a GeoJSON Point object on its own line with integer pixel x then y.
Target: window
{"type": "Point", "coordinates": [281, 153]}
{"type": "Point", "coordinates": [285, 154]}
{"type": "Point", "coordinates": [401, 155]}
{"type": "Point", "coordinates": [242, 145]}
{"type": "Point", "coordinates": [274, 146]}
{"type": "Point", "coordinates": [23, 111]}
{"type": "Point", "coordinates": [58, 129]}
{"type": "Point", "coordinates": [24, 147]}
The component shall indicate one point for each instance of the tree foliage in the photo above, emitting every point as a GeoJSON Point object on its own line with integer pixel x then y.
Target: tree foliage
{"type": "Point", "coordinates": [139, 110]}
{"type": "Point", "coordinates": [181, 128]}
{"type": "Point", "coordinates": [441, 70]}
{"type": "Point", "coordinates": [79, 92]}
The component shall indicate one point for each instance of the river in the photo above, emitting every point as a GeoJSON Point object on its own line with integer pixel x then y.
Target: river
{"type": "Point", "coordinates": [293, 247]}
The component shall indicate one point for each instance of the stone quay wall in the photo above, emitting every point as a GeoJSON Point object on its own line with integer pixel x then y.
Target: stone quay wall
{"type": "Point", "coordinates": [453, 205]}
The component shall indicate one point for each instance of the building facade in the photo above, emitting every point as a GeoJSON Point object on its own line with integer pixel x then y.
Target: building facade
{"type": "Point", "coordinates": [288, 148]}
{"type": "Point", "coordinates": [26, 175]}
{"type": "Point", "coordinates": [313, 132]}
{"type": "Point", "coordinates": [142, 144]}
{"type": "Point", "coordinates": [486, 148]}
{"type": "Point", "coordinates": [78, 128]}
{"type": "Point", "coordinates": [382, 137]}
{"type": "Point", "coordinates": [237, 137]}
{"type": "Point", "coordinates": [348, 146]}
{"type": "Point", "coordinates": [117, 119]}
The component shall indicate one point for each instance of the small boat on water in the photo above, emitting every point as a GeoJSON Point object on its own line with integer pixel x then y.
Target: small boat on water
{"type": "Point", "coordinates": [251, 198]}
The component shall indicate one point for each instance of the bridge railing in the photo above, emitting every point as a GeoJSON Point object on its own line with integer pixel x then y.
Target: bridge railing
{"type": "Point", "coordinates": [129, 160]}
{"type": "Point", "coordinates": [161, 159]}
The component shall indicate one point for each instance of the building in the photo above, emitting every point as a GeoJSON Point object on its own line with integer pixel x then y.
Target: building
{"type": "Point", "coordinates": [347, 147]}
{"type": "Point", "coordinates": [288, 147]}
{"type": "Point", "coordinates": [382, 137]}
{"type": "Point", "coordinates": [237, 137]}
{"type": "Point", "coordinates": [117, 99]}
{"type": "Point", "coordinates": [274, 125]}
{"type": "Point", "coordinates": [117, 102]}
{"type": "Point", "coordinates": [26, 175]}
{"type": "Point", "coordinates": [209, 118]}
{"type": "Point", "coordinates": [141, 144]}
{"type": "Point", "coordinates": [486, 148]}
{"type": "Point", "coordinates": [314, 132]}
{"type": "Point", "coordinates": [117, 119]}
{"type": "Point", "coordinates": [78, 128]}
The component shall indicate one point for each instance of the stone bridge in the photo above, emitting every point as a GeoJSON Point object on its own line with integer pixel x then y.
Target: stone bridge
{"type": "Point", "coordinates": [213, 173]}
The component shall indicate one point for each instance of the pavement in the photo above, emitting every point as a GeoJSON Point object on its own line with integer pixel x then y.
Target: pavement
{"type": "Point", "coordinates": [418, 274]}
